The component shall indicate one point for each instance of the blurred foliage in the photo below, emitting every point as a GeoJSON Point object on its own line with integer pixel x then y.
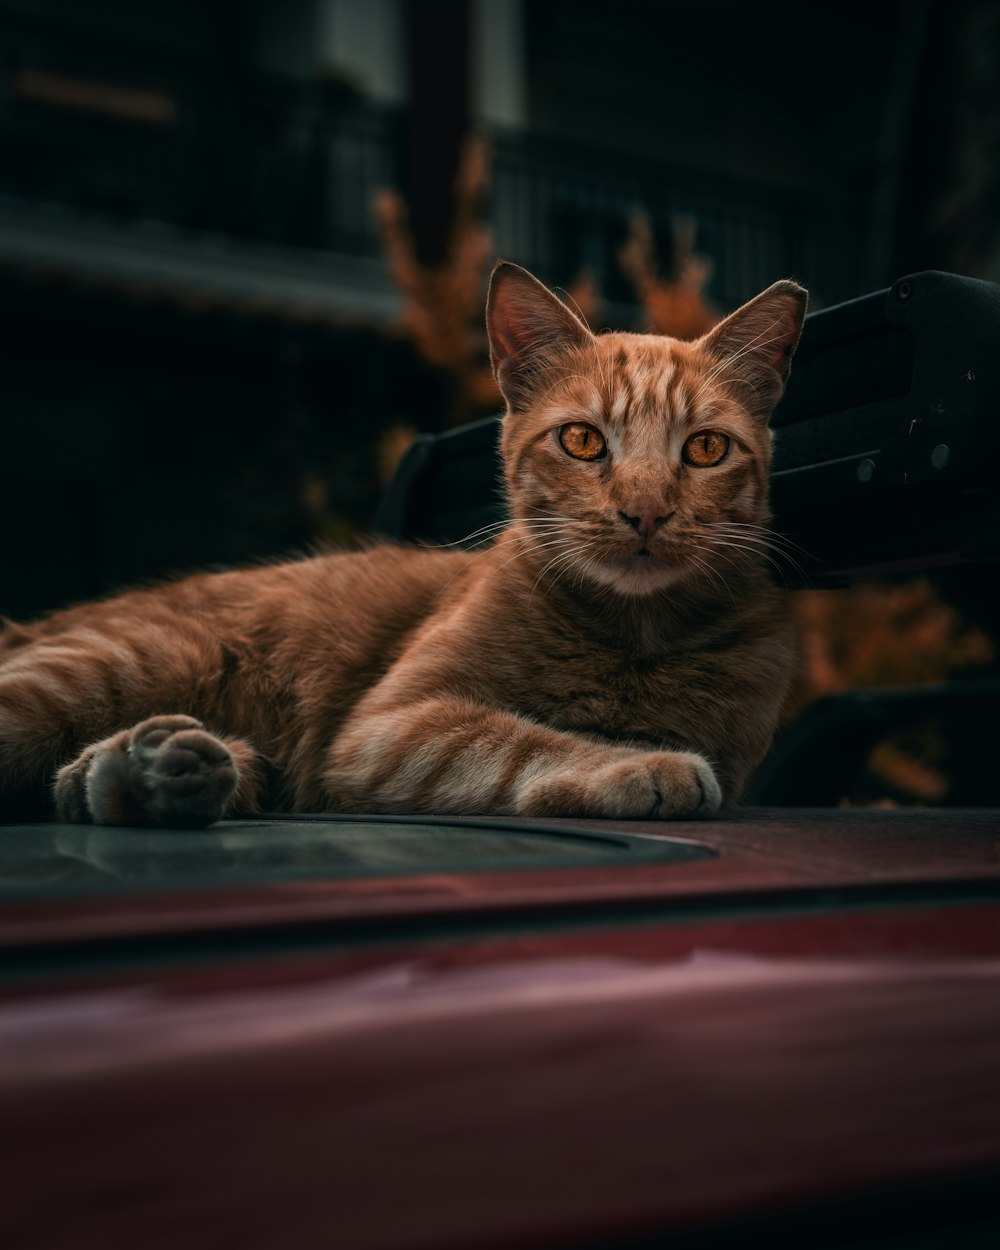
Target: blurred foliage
{"type": "Point", "coordinates": [443, 305]}
{"type": "Point", "coordinates": [675, 303]}
{"type": "Point", "coordinates": [877, 635]}
{"type": "Point", "coordinates": [882, 634]}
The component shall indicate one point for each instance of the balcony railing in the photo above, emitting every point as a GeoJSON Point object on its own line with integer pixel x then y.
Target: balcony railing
{"type": "Point", "coordinates": [298, 165]}
{"type": "Point", "coordinates": [562, 206]}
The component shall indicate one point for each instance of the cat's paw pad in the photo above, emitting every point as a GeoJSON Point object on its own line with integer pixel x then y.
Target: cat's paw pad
{"type": "Point", "coordinates": [167, 770]}
{"type": "Point", "coordinates": [653, 785]}
{"type": "Point", "coordinates": [178, 772]}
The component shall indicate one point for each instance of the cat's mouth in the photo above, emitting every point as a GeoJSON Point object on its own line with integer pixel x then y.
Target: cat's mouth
{"type": "Point", "coordinates": [638, 572]}
{"type": "Point", "coordinates": [643, 559]}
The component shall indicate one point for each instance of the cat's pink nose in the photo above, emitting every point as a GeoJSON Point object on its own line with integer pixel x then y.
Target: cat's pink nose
{"type": "Point", "coordinates": [646, 521]}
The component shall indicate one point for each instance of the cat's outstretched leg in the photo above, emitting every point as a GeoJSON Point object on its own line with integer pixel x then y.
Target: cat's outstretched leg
{"type": "Point", "coordinates": [79, 676]}
{"type": "Point", "coordinates": [454, 755]}
{"type": "Point", "coordinates": [167, 770]}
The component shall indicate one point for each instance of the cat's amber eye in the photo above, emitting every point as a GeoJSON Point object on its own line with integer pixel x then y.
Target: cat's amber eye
{"type": "Point", "coordinates": [706, 448]}
{"type": "Point", "coordinates": [582, 442]}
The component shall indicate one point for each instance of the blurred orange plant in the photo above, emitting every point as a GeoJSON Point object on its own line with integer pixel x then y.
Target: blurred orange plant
{"type": "Point", "coordinates": [883, 634]}
{"type": "Point", "coordinates": [889, 634]}
{"type": "Point", "coordinates": [443, 305]}
{"type": "Point", "coordinates": [676, 304]}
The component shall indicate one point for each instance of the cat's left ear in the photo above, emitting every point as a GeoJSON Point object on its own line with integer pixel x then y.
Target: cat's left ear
{"type": "Point", "coordinates": [528, 328]}
{"type": "Point", "coordinates": [757, 341]}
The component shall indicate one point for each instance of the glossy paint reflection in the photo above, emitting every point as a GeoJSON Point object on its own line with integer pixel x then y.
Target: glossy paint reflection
{"type": "Point", "coordinates": [505, 1087]}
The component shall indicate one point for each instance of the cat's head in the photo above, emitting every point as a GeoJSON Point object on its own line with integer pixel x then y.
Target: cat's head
{"type": "Point", "coordinates": [637, 461]}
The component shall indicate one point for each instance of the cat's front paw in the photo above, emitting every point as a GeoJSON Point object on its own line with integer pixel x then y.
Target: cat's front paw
{"type": "Point", "coordinates": [654, 785]}
{"type": "Point", "coordinates": [182, 773]}
{"type": "Point", "coordinates": [167, 771]}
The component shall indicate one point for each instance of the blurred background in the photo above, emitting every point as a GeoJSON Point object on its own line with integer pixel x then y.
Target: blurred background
{"type": "Point", "coordinates": [244, 247]}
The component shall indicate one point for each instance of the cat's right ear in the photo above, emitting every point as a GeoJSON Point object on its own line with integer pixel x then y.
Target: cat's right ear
{"type": "Point", "coordinates": [528, 328]}
{"type": "Point", "coordinates": [757, 342]}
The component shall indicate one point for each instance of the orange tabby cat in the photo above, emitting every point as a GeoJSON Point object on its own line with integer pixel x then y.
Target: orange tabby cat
{"type": "Point", "coordinates": [618, 650]}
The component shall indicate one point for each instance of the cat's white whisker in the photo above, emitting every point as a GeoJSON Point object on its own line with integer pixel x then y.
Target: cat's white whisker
{"type": "Point", "coordinates": [781, 561]}
{"type": "Point", "coordinates": [764, 542]}
{"type": "Point", "coordinates": [602, 586]}
{"type": "Point", "coordinates": [547, 566]}
{"type": "Point", "coordinates": [532, 548]}
{"type": "Point", "coordinates": [583, 569]}
{"type": "Point", "coordinates": [498, 526]}
{"type": "Point", "coordinates": [566, 557]}
{"type": "Point", "coordinates": [756, 553]}
{"type": "Point", "coordinates": [716, 577]}
{"type": "Point", "coordinates": [477, 537]}
{"type": "Point", "coordinates": [485, 532]}
{"type": "Point", "coordinates": [776, 539]}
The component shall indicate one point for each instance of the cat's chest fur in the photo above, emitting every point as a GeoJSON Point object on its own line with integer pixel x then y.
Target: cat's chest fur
{"type": "Point", "coordinates": [636, 679]}
{"type": "Point", "coordinates": [620, 680]}
{"type": "Point", "coordinates": [619, 693]}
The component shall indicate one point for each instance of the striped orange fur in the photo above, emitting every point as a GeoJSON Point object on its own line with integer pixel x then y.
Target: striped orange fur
{"type": "Point", "coordinates": [618, 649]}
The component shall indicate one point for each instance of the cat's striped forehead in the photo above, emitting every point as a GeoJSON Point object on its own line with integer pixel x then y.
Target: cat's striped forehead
{"type": "Point", "coordinates": [627, 376]}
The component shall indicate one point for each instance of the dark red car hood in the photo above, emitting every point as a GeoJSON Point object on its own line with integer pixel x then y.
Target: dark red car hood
{"type": "Point", "coordinates": [804, 1027]}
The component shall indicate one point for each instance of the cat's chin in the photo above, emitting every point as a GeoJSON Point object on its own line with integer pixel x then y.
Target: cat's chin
{"type": "Point", "coordinates": [637, 575]}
